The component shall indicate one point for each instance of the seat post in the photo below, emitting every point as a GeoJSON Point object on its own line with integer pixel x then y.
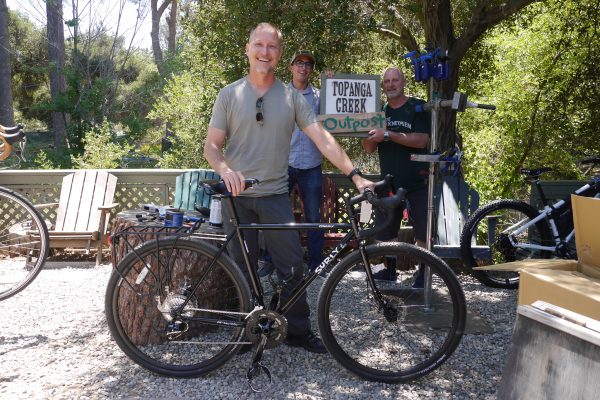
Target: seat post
{"type": "Point", "coordinates": [540, 191]}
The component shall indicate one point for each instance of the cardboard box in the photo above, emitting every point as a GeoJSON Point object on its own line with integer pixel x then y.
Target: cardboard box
{"type": "Point", "coordinates": [571, 284]}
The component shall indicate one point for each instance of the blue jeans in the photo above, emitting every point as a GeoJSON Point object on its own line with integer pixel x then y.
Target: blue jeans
{"type": "Point", "coordinates": [310, 183]}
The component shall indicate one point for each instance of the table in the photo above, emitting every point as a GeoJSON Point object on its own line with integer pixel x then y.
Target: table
{"type": "Point", "coordinates": [143, 226]}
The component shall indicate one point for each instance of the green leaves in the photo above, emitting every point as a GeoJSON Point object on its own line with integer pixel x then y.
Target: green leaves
{"type": "Point", "coordinates": [545, 88]}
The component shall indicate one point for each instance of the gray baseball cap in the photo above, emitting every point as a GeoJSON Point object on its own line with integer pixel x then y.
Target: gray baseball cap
{"type": "Point", "coordinates": [305, 53]}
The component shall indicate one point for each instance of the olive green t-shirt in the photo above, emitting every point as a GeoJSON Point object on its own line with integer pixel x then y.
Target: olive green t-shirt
{"type": "Point", "coordinates": [394, 158]}
{"type": "Point", "coordinates": [260, 151]}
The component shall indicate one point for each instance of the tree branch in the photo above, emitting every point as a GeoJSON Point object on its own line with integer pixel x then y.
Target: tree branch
{"type": "Point", "coordinates": [485, 17]}
{"type": "Point", "coordinates": [405, 38]}
{"type": "Point", "coordinates": [163, 7]}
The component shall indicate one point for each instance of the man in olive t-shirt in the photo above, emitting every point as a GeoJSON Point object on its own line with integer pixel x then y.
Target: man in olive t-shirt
{"type": "Point", "coordinates": [407, 132]}
{"type": "Point", "coordinates": [253, 120]}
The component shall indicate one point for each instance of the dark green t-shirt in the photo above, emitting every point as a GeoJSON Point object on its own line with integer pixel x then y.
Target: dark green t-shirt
{"type": "Point", "coordinates": [394, 158]}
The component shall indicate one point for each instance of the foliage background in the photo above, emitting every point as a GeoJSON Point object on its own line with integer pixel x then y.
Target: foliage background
{"type": "Point", "coordinates": [539, 67]}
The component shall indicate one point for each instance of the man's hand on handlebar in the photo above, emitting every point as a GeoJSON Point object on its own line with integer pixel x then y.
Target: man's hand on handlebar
{"type": "Point", "coordinates": [362, 183]}
{"type": "Point", "coordinates": [234, 180]}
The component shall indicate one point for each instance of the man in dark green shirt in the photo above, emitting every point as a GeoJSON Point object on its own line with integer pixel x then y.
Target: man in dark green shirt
{"type": "Point", "coordinates": [407, 132]}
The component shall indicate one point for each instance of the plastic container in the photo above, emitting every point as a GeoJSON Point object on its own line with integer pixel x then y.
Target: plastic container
{"type": "Point", "coordinates": [173, 217]}
{"type": "Point", "coordinates": [215, 218]}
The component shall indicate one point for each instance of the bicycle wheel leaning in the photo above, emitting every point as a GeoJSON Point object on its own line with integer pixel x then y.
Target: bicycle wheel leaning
{"type": "Point", "coordinates": [410, 337]}
{"type": "Point", "coordinates": [150, 320]}
{"type": "Point", "coordinates": [24, 243]}
{"type": "Point", "coordinates": [487, 235]}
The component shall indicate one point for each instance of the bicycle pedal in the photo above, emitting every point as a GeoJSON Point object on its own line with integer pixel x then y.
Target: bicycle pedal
{"type": "Point", "coordinates": [255, 371]}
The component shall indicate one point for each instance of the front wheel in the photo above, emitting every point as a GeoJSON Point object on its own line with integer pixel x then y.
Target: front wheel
{"type": "Point", "coordinates": [174, 313]}
{"type": "Point", "coordinates": [489, 238]}
{"type": "Point", "coordinates": [401, 329]}
{"type": "Point", "coordinates": [24, 243]}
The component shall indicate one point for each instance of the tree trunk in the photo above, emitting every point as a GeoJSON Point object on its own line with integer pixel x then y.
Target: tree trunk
{"type": "Point", "coordinates": [157, 13]}
{"type": "Point", "coordinates": [7, 116]}
{"type": "Point", "coordinates": [446, 125]}
{"type": "Point", "coordinates": [172, 24]}
{"type": "Point", "coordinates": [56, 58]}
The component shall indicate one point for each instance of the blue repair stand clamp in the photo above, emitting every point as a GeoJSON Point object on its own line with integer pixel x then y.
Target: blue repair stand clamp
{"type": "Point", "coordinates": [430, 67]}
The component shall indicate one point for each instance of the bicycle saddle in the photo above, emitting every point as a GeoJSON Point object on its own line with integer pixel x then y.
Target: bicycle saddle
{"type": "Point", "coordinates": [10, 129]}
{"type": "Point", "coordinates": [591, 160]}
{"type": "Point", "coordinates": [534, 172]}
{"type": "Point", "coordinates": [12, 138]}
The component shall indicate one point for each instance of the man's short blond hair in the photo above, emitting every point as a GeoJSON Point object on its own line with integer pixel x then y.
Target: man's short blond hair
{"type": "Point", "coordinates": [265, 25]}
{"type": "Point", "coordinates": [393, 68]}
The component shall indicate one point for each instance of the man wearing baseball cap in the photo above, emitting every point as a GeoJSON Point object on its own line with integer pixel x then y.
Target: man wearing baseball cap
{"type": "Point", "coordinates": [305, 159]}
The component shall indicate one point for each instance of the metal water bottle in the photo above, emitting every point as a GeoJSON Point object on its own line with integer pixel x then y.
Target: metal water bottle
{"type": "Point", "coordinates": [215, 218]}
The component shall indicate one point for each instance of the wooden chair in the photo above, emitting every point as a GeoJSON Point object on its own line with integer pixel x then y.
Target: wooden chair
{"type": "Point", "coordinates": [455, 201]}
{"type": "Point", "coordinates": [84, 208]}
{"type": "Point", "coordinates": [188, 196]}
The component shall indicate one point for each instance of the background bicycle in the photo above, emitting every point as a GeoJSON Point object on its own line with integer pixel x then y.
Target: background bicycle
{"type": "Point", "coordinates": [24, 242]}
{"type": "Point", "coordinates": [180, 307]}
{"type": "Point", "coordinates": [512, 230]}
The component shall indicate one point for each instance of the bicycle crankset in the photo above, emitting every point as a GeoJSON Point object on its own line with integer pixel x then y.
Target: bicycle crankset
{"type": "Point", "coordinates": [269, 323]}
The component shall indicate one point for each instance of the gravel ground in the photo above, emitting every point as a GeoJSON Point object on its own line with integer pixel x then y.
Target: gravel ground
{"type": "Point", "coordinates": [55, 344]}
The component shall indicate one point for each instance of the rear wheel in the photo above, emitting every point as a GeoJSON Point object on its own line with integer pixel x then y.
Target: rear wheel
{"type": "Point", "coordinates": [24, 243]}
{"type": "Point", "coordinates": [488, 238]}
{"type": "Point", "coordinates": [173, 313]}
{"type": "Point", "coordinates": [411, 334]}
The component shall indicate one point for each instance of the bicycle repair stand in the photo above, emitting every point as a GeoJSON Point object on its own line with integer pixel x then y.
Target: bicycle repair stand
{"type": "Point", "coordinates": [430, 67]}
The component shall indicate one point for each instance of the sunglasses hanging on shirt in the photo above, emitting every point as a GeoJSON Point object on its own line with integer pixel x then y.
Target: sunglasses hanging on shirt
{"type": "Point", "coordinates": [259, 112]}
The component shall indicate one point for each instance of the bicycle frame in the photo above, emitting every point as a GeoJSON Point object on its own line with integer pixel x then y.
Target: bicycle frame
{"type": "Point", "coordinates": [548, 212]}
{"type": "Point", "coordinates": [255, 286]}
{"type": "Point", "coordinates": [334, 254]}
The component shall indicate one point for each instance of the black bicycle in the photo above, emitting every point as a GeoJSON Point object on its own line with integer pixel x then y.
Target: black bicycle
{"type": "Point", "coordinates": [512, 230]}
{"type": "Point", "coordinates": [181, 307]}
{"type": "Point", "coordinates": [24, 241]}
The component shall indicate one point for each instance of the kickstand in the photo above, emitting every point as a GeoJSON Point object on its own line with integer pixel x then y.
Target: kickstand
{"type": "Point", "coordinates": [256, 367]}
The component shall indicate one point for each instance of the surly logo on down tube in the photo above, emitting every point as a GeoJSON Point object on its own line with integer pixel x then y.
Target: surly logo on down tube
{"type": "Point", "coordinates": [327, 260]}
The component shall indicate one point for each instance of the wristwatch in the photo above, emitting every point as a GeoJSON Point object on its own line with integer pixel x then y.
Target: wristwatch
{"type": "Point", "coordinates": [386, 136]}
{"type": "Point", "coordinates": [355, 171]}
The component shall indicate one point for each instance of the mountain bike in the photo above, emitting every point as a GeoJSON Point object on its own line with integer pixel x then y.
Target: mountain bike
{"type": "Point", "coordinates": [512, 230]}
{"type": "Point", "coordinates": [181, 307]}
{"type": "Point", "coordinates": [24, 241]}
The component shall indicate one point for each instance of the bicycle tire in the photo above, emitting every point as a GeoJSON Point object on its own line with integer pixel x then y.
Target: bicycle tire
{"type": "Point", "coordinates": [500, 215]}
{"type": "Point", "coordinates": [24, 243]}
{"type": "Point", "coordinates": [140, 299]}
{"type": "Point", "coordinates": [356, 332]}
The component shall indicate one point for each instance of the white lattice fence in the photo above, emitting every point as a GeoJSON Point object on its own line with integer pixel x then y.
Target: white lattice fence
{"type": "Point", "coordinates": [134, 187]}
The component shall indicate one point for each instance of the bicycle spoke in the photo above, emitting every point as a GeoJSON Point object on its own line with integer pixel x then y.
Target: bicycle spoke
{"type": "Point", "coordinates": [164, 326]}
{"type": "Point", "coordinates": [406, 336]}
{"type": "Point", "coordinates": [490, 237]}
{"type": "Point", "coordinates": [23, 243]}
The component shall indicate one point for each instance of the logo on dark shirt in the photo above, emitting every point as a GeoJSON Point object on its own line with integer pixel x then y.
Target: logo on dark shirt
{"type": "Point", "coordinates": [397, 124]}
